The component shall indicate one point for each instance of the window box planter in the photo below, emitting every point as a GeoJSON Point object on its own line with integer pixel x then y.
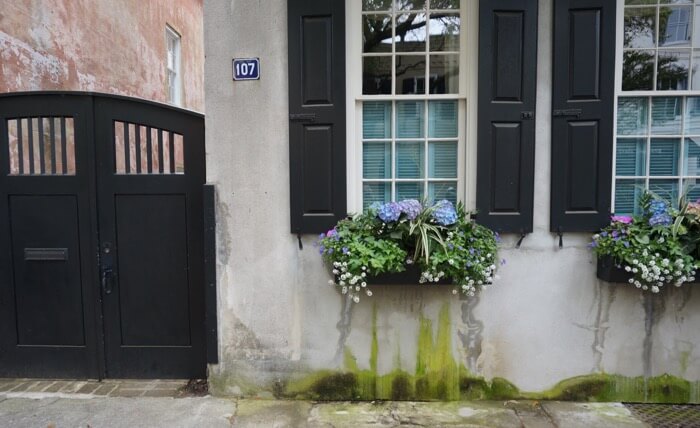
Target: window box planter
{"type": "Point", "coordinates": [609, 272]}
{"type": "Point", "coordinates": [408, 277]}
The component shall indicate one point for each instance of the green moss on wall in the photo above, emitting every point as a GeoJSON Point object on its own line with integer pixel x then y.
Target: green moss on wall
{"type": "Point", "coordinates": [437, 376]}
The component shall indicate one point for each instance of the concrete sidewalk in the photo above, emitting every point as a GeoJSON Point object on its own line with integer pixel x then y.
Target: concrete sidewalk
{"type": "Point", "coordinates": [58, 410]}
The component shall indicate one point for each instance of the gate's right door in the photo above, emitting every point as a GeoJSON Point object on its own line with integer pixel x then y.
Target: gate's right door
{"type": "Point", "coordinates": [150, 175]}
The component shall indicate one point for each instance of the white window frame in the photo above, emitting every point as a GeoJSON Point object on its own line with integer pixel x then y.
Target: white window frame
{"type": "Point", "coordinates": [466, 97]}
{"type": "Point", "coordinates": [619, 45]}
{"type": "Point", "coordinates": [174, 93]}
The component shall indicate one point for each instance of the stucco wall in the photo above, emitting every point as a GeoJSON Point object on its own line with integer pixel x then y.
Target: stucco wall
{"type": "Point", "coordinates": [547, 320]}
{"type": "Point", "coordinates": [116, 47]}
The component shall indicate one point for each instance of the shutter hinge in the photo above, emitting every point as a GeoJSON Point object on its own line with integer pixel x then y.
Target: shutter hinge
{"type": "Point", "coordinates": [520, 241]}
{"type": "Point", "coordinates": [301, 245]}
{"type": "Point", "coordinates": [561, 237]}
{"type": "Point", "coordinates": [527, 115]}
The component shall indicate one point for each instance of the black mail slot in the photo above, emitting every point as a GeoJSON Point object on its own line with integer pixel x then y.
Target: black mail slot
{"type": "Point", "coordinates": [46, 254]}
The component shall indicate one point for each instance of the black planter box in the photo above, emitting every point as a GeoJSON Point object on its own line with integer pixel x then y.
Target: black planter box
{"type": "Point", "coordinates": [607, 271]}
{"type": "Point", "coordinates": [408, 277]}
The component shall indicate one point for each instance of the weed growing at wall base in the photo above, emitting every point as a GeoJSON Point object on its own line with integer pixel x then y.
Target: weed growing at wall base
{"type": "Point", "coordinates": [441, 239]}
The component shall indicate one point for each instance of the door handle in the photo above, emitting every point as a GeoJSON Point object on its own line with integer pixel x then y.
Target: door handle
{"type": "Point", "coordinates": [571, 112]}
{"type": "Point", "coordinates": [107, 274]}
{"type": "Point", "coordinates": [107, 280]}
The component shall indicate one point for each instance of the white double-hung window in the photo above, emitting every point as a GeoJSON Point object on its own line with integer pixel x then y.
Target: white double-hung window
{"type": "Point", "coordinates": [408, 89]}
{"type": "Point", "coordinates": [172, 40]}
{"type": "Point", "coordinates": [658, 101]}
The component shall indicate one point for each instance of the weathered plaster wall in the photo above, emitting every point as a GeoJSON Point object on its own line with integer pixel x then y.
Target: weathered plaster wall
{"type": "Point", "coordinates": [110, 46]}
{"type": "Point", "coordinates": [284, 331]}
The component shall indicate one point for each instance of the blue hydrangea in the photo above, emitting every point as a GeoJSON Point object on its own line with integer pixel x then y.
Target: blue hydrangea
{"type": "Point", "coordinates": [662, 219]}
{"type": "Point", "coordinates": [411, 208]}
{"type": "Point", "coordinates": [391, 211]}
{"type": "Point", "coordinates": [444, 213]}
{"type": "Point", "coordinates": [658, 207]}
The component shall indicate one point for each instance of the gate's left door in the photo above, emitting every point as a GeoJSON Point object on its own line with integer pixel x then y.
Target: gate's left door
{"type": "Point", "coordinates": [47, 244]}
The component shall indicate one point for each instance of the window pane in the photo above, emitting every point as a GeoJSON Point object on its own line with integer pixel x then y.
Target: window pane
{"type": "Point", "coordinates": [444, 4]}
{"type": "Point", "coordinates": [632, 116]}
{"type": "Point", "coordinates": [410, 32]}
{"type": "Point", "coordinates": [376, 120]}
{"type": "Point", "coordinates": [674, 26]}
{"type": "Point", "coordinates": [692, 116]}
{"type": "Point", "coordinates": [409, 191]}
{"type": "Point", "coordinates": [638, 70]}
{"type": "Point", "coordinates": [376, 33]}
{"type": "Point", "coordinates": [665, 189]}
{"type": "Point", "coordinates": [666, 115]}
{"type": "Point", "coordinates": [442, 119]}
{"type": "Point", "coordinates": [410, 74]}
{"type": "Point", "coordinates": [410, 119]}
{"type": "Point", "coordinates": [376, 160]}
{"type": "Point", "coordinates": [376, 75]}
{"type": "Point", "coordinates": [444, 33]}
{"type": "Point", "coordinates": [691, 189]}
{"type": "Point", "coordinates": [370, 5]}
{"type": "Point", "coordinates": [627, 193]}
{"type": "Point", "coordinates": [663, 159]}
{"type": "Point", "coordinates": [409, 159]}
{"type": "Point", "coordinates": [442, 159]}
{"type": "Point", "coordinates": [672, 70]}
{"type": "Point", "coordinates": [692, 157]}
{"type": "Point", "coordinates": [410, 4]}
{"type": "Point", "coordinates": [631, 157]}
{"type": "Point", "coordinates": [375, 192]}
{"type": "Point", "coordinates": [640, 27]}
{"type": "Point", "coordinates": [444, 74]}
{"type": "Point", "coordinates": [695, 69]}
{"type": "Point", "coordinates": [442, 190]}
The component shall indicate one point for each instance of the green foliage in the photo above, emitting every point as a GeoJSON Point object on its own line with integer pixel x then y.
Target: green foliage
{"type": "Point", "coordinates": [653, 246]}
{"type": "Point", "coordinates": [442, 240]}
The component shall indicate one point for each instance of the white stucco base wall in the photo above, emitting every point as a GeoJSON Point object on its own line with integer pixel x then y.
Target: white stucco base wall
{"type": "Point", "coordinates": [546, 320]}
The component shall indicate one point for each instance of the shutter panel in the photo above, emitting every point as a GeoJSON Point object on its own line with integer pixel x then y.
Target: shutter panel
{"type": "Point", "coordinates": [506, 134]}
{"type": "Point", "coordinates": [582, 117]}
{"type": "Point", "coordinates": [316, 114]}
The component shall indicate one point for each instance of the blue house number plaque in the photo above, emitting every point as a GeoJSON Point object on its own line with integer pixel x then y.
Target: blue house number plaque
{"type": "Point", "coordinates": [246, 68]}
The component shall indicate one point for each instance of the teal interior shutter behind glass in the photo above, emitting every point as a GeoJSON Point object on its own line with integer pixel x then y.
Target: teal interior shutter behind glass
{"type": "Point", "coordinates": [506, 134]}
{"type": "Point", "coordinates": [316, 114]}
{"type": "Point", "coordinates": [582, 116]}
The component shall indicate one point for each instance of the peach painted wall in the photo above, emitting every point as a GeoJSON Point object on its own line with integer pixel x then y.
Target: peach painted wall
{"type": "Point", "coordinates": [112, 46]}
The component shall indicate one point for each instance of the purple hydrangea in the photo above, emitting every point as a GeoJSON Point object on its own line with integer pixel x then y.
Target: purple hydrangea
{"type": "Point", "coordinates": [444, 213]}
{"type": "Point", "coordinates": [411, 208]}
{"type": "Point", "coordinates": [391, 211]}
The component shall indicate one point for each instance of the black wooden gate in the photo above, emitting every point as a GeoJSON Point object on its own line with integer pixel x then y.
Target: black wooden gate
{"type": "Point", "coordinates": [101, 238]}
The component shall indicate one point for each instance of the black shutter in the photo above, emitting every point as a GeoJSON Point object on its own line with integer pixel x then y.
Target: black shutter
{"type": "Point", "coordinates": [506, 134]}
{"type": "Point", "coordinates": [316, 113]}
{"type": "Point", "coordinates": [582, 116]}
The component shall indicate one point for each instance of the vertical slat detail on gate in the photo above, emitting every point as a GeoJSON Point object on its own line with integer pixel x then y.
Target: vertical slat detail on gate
{"type": "Point", "coordinates": [160, 152]}
{"type": "Point", "coordinates": [52, 133]}
{"type": "Point", "coordinates": [149, 150]}
{"type": "Point", "coordinates": [20, 146]}
{"type": "Point", "coordinates": [30, 134]}
{"type": "Point", "coordinates": [137, 145]}
{"type": "Point", "coordinates": [64, 147]}
{"type": "Point", "coordinates": [42, 150]}
{"type": "Point", "coordinates": [171, 142]}
{"type": "Point", "coordinates": [127, 149]}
